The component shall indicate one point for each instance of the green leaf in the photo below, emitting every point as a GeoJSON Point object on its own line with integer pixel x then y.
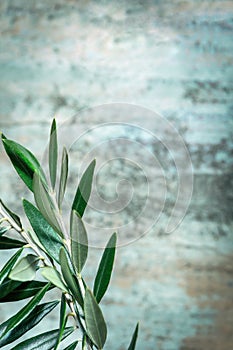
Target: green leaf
{"type": "Point", "coordinates": [96, 327]}
{"type": "Point", "coordinates": [132, 345]}
{"type": "Point", "coordinates": [105, 269]}
{"type": "Point", "coordinates": [53, 153]}
{"type": "Point", "coordinates": [4, 229]}
{"type": "Point", "coordinates": [22, 290]}
{"type": "Point", "coordinates": [54, 277]}
{"type": "Point", "coordinates": [84, 340]}
{"type": "Point", "coordinates": [7, 286]}
{"type": "Point", "coordinates": [45, 205]}
{"type": "Point", "coordinates": [12, 215]}
{"type": "Point", "coordinates": [63, 320]}
{"type": "Point", "coordinates": [35, 239]}
{"type": "Point", "coordinates": [79, 242]}
{"type": "Point", "coordinates": [72, 346]}
{"type": "Point", "coordinates": [78, 282]}
{"type": "Point", "coordinates": [25, 268]}
{"type": "Point", "coordinates": [27, 323]}
{"type": "Point", "coordinates": [69, 277]}
{"type": "Point", "coordinates": [63, 177]}
{"type": "Point", "coordinates": [84, 190]}
{"type": "Point", "coordinates": [44, 341]}
{"type": "Point", "coordinates": [26, 309]}
{"type": "Point", "coordinates": [10, 263]}
{"type": "Point", "coordinates": [24, 162]}
{"type": "Point", "coordinates": [9, 243]}
{"type": "Point", "coordinates": [45, 233]}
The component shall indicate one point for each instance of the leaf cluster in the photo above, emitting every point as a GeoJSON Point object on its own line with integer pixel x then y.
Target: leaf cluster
{"type": "Point", "coordinates": [54, 253]}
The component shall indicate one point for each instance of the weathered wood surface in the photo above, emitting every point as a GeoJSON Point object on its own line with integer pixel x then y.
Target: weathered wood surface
{"type": "Point", "coordinates": [175, 58]}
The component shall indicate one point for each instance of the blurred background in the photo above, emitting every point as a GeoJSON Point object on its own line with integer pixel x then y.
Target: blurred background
{"type": "Point", "coordinates": [59, 58]}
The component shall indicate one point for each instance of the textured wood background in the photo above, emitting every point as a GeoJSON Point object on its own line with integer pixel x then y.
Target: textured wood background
{"type": "Point", "coordinates": [175, 58]}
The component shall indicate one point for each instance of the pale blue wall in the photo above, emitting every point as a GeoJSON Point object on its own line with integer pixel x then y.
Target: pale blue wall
{"type": "Point", "coordinates": [175, 58]}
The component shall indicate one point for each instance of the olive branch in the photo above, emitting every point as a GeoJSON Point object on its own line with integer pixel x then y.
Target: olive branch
{"type": "Point", "coordinates": [58, 254]}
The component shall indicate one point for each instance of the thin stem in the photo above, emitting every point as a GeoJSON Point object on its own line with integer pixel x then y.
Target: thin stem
{"type": "Point", "coordinates": [75, 314]}
{"type": "Point", "coordinates": [81, 285]}
{"type": "Point", "coordinates": [78, 317]}
{"type": "Point", "coordinates": [24, 234]}
{"type": "Point", "coordinates": [89, 342]}
{"type": "Point", "coordinates": [2, 220]}
{"type": "Point", "coordinates": [10, 220]}
{"type": "Point", "coordinates": [71, 306]}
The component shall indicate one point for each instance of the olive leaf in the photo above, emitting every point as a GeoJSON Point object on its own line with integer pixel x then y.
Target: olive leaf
{"type": "Point", "coordinates": [4, 229]}
{"type": "Point", "coordinates": [14, 320]}
{"type": "Point", "coordinates": [22, 290]}
{"type": "Point", "coordinates": [35, 240]}
{"type": "Point", "coordinates": [7, 286]}
{"type": "Point", "coordinates": [44, 341]}
{"type": "Point", "coordinates": [12, 215]}
{"type": "Point", "coordinates": [63, 177]}
{"type": "Point", "coordinates": [132, 345]}
{"type": "Point", "coordinates": [69, 277]}
{"type": "Point", "coordinates": [25, 268]}
{"type": "Point", "coordinates": [24, 162]}
{"type": "Point", "coordinates": [84, 341]}
{"type": "Point", "coordinates": [53, 153]}
{"type": "Point", "coordinates": [45, 204]}
{"type": "Point", "coordinates": [9, 243]}
{"type": "Point", "coordinates": [54, 277]}
{"type": "Point", "coordinates": [72, 346]}
{"type": "Point", "coordinates": [63, 321]}
{"type": "Point", "coordinates": [95, 323]}
{"type": "Point", "coordinates": [105, 269]}
{"type": "Point", "coordinates": [35, 316]}
{"type": "Point", "coordinates": [79, 241]}
{"type": "Point", "coordinates": [84, 190]}
{"type": "Point", "coordinates": [45, 233]}
{"type": "Point", "coordinates": [63, 255]}
{"type": "Point", "coordinates": [9, 265]}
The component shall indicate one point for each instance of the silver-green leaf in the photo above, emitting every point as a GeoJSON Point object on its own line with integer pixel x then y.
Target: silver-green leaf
{"type": "Point", "coordinates": [53, 153]}
{"type": "Point", "coordinates": [44, 341]}
{"type": "Point", "coordinates": [72, 346]}
{"type": "Point", "coordinates": [63, 177]}
{"type": "Point", "coordinates": [7, 286]}
{"type": "Point", "coordinates": [14, 320]}
{"type": "Point", "coordinates": [63, 320]}
{"type": "Point", "coordinates": [54, 277]}
{"type": "Point", "coordinates": [36, 240]}
{"type": "Point", "coordinates": [4, 229]}
{"type": "Point", "coordinates": [9, 243]}
{"type": "Point", "coordinates": [24, 162]}
{"type": "Point", "coordinates": [105, 269]}
{"type": "Point", "coordinates": [79, 241]}
{"type": "Point", "coordinates": [25, 268]}
{"type": "Point", "coordinates": [45, 233]}
{"type": "Point", "coordinates": [69, 277]}
{"type": "Point", "coordinates": [95, 323]}
{"type": "Point", "coordinates": [132, 345]}
{"type": "Point", "coordinates": [45, 204]}
{"type": "Point", "coordinates": [9, 265]}
{"type": "Point", "coordinates": [21, 290]}
{"type": "Point", "coordinates": [14, 216]}
{"type": "Point", "coordinates": [27, 323]}
{"type": "Point", "coordinates": [84, 190]}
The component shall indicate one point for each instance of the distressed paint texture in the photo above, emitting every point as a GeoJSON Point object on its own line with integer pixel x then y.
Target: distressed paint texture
{"type": "Point", "coordinates": [173, 57]}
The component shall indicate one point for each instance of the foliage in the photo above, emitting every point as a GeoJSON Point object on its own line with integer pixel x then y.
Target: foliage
{"type": "Point", "coordinates": [57, 255]}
